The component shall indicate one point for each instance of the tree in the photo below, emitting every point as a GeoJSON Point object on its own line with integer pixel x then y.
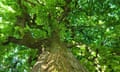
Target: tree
{"type": "Point", "coordinates": [41, 35]}
{"type": "Point", "coordinates": [56, 57]}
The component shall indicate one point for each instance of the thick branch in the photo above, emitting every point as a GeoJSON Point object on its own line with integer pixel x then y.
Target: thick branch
{"type": "Point", "coordinates": [28, 41]}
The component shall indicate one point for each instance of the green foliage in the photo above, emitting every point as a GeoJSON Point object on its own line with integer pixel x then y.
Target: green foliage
{"type": "Point", "coordinates": [93, 25]}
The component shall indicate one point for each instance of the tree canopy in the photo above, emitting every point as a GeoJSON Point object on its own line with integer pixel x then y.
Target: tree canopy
{"type": "Point", "coordinates": [90, 29]}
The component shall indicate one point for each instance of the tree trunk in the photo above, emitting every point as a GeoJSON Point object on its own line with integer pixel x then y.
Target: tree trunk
{"type": "Point", "coordinates": [57, 59]}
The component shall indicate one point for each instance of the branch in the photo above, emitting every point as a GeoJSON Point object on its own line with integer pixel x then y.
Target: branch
{"type": "Point", "coordinates": [33, 4]}
{"type": "Point", "coordinates": [66, 11]}
{"type": "Point", "coordinates": [27, 41]}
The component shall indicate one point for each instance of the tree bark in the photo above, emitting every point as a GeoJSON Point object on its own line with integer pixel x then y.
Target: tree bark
{"type": "Point", "coordinates": [57, 59]}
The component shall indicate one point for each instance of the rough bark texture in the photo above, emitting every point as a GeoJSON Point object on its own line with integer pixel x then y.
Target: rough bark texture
{"type": "Point", "coordinates": [57, 59]}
